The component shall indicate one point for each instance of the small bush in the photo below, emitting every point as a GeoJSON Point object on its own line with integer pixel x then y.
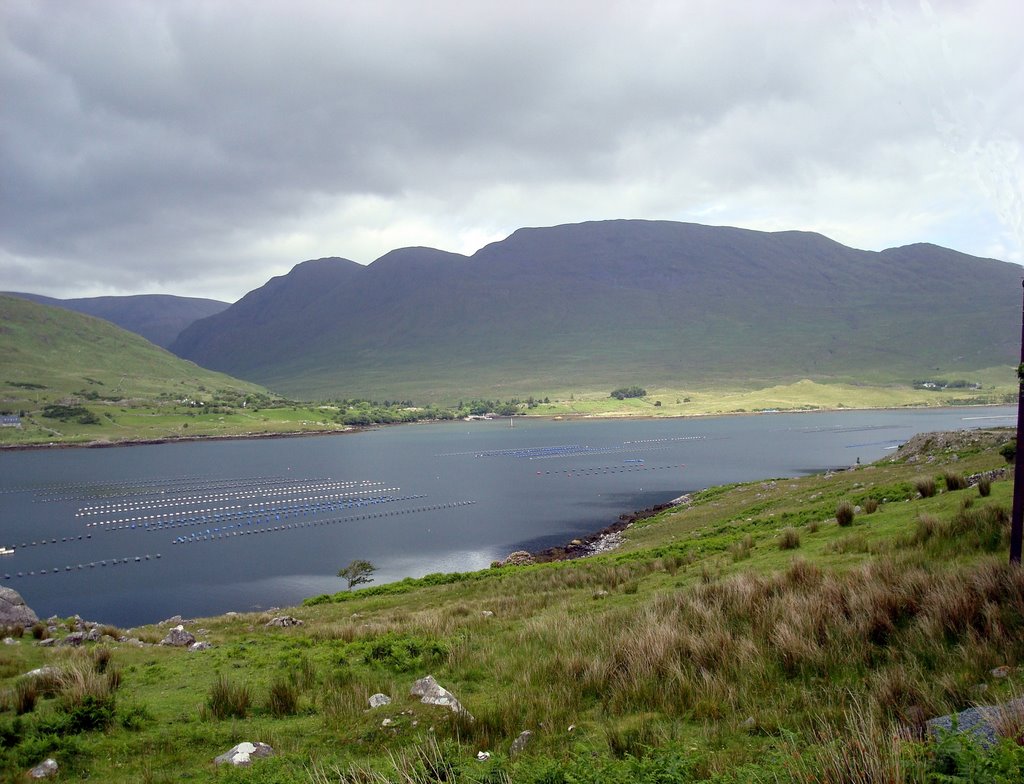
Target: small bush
{"type": "Point", "coordinates": [954, 481]}
{"type": "Point", "coordinates": [925, 487]}
{"type": "Point", "coordinates": [984, 487]}
{"type": "Point", "coordinates": [283, 699]}
{"type": "Point", "coordinates": [844, 513]}
{"type": "Point", "coordinates": [870, 505]}
{"type": "Point", "coordinates": [39, 631]}
{"type": "Point", "coordinates": [1008, 451]}
{"type": "Point", "coordinates": [813, 527]}
{"type": "Point", "coordinates": [789, 539]}
{"type": "Point", "coordinates": [227, 700]}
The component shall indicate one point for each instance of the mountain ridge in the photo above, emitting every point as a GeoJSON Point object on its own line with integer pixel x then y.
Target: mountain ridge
{"type": "Point", "coordinates": [157, 317]}
{"type": "Point", "coordinates": [610, 301]}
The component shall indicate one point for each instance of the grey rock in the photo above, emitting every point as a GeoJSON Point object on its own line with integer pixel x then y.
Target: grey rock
{"type": "Point", "coordinates": [14, 611]}
{"type": "Point", "coordinates": [44, 770]}
{"type": "Point", "coordinates": [43, 672]}
{"type": "Point", "coordinates": [284, 621]}
{"type": "Point", "coordinates": [244, 753]}
{"type": "Point", "coordinates": [11, 641]}
{"type": "Point", "coordinates": [431, 692]}
{"type": "Point", "coordinates": [200, 646]}
{"type": "Point", "coordinates": [487, 614]}
{"type": "Point", "coordinates": [520, 743]}
{"type": "Point", "coordinates": [74, 639]}
{"type": "Point", "coordinates": [518, 558]}
{"type": "Point", "coordinates": [172, 621]}
{"type": "Point", "coordinates": [379, 700]}
{"type": "Point", "coordinates": [178, 637]}
{"type": "Point", "coordinates": [93, 635]}
{"type": "Point", "coordinates": [1000, 672]}
{"type": "Point", "coordinates": [979, 722]}
{"type": "Point", "coordinates": [49, 642]}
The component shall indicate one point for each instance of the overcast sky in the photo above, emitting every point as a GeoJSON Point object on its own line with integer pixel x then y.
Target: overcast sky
{"type": "Point", "coordinates": [199, 148]}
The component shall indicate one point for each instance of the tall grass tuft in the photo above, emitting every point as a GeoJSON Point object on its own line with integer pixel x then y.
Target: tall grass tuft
{"type": "Point", "coordinates": [789, 539]}
{"type": "Point", "coordinates": [844, 513]}
{"type": "Point", "coordinates": [984, 487]}
{"type": "Point", "coordinates": [741, 549]}
{"type": "Point", "coordinates": [954, 481]}
{"type": "Point", "coordinates": [283, 698]}
{"type": "Point", "coordinates": [25, 696]}
{"type": "Point", "coordinates": [925, 486]}
{"type": "Point", "coordinates": [870, 505]}
{"type": "Point", "coordinates": [226, 700]}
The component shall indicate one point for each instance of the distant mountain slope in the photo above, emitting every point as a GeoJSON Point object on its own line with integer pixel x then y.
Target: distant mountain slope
{"type": "Point", "coordinates": [47, 353]}
{"type": "Point", "coordinates": [159, 318]}
{"type": "Point", "coordinates": [602, 303]}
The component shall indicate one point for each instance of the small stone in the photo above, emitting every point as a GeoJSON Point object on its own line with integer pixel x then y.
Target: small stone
{"type": "Point", "coordinates": [93, 635]}
{"type": "Point", "coordinates": [11, 641]}
{"type": "Point", "coordinates": [487, 614]}
{"type": "Point", "coordinates": [44, 770]}
{"type": "Point", "coordinates": [600, 594]}
{"type": "Point", "coordinates": [387, 722]}
{"type": "Point", "coordinates": [199, 646]}
{"type": "Point", "coordinates": [244, 754]}
{"type": "Point", "coordinates": [483, 756]}
{"type": "Point", "coordinates": [172, 621]}
{"type": "Point", "coordinates": [379, 700]}
{"type": "Point", "coordinates": [520, 743]}
{"type": "Point", "coordinates": [572, 728]}
{"type": "Point", "coordinates": [1000, 672]}
{"type": "Point", "coordinates": [748, 723]}
{"type": "Point", "coordinates": [47, 643]}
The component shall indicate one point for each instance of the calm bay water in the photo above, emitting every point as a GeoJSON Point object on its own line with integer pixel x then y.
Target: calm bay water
{"type": "Point", "coordinates": [134, 535]}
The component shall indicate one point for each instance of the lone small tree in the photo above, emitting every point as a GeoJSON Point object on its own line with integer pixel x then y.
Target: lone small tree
{"type": "Point", "coordinates": [357, 572]}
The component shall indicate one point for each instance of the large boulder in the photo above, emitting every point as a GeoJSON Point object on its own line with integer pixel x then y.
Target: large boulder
{"type": "Point", "coordinates": [14, 611]}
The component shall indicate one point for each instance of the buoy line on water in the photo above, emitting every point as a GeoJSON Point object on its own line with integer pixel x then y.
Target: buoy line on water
{"type": "Point", "coordinates": [156, 486]}
{"type": "Point", "coordinates": [82, 566]}
{"type": "Point", "coordinates": [235, 510]}
{"type": "Point", "coordinates": [184, 500]}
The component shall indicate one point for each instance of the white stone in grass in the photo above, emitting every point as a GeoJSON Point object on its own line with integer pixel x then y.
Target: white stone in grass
{"type": "Point", "coordinates": [44, 770]}
{"type": "Point", "coordinates": [431, 692]}
{"type": "Point", "coordinates": [379, 700]}
{"type": "Point", "coordinates": [244, 753]}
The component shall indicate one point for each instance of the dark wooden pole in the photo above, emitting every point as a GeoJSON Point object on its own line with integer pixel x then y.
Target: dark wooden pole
{"type": "Point", "coordinates": [1017, 519]}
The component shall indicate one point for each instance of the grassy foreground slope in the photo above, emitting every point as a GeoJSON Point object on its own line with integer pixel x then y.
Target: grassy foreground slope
{"type": "Point", "coordinates": [108, 384]}
{"type": "Point", "coordinates": [744, 637]}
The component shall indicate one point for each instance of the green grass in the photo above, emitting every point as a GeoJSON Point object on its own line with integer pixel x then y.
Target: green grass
{"type": "Point", "coordinates": [131, 389]}
{"type": "Point", "coordinates": [701, 650]}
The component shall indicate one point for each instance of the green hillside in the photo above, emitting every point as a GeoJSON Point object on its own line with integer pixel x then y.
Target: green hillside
{"type": "Point", "coordinates": [76, 378]}
{"type": "Point", "coordinates": [755, 634]}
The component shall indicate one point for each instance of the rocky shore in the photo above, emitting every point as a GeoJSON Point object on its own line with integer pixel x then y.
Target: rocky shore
{"type": "Point", "coordinates": [603, 541]}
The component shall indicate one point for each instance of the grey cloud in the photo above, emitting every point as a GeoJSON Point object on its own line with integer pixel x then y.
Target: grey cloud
{"type": "Point", "coordinates": [185, 144]}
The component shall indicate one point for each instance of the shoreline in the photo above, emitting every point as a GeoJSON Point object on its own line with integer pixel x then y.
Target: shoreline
{"type": "Point", "coordinates": [174, 439]}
